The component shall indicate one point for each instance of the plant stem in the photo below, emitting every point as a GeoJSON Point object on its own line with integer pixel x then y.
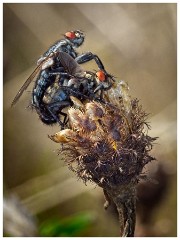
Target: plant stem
{"type": "Point", "coordinates": [125, 199]}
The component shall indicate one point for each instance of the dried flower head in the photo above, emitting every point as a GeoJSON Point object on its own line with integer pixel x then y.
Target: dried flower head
{"type": "Point", "coordinates": [109, 146]}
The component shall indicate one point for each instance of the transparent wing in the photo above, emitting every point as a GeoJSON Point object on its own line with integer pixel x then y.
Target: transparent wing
{"type": "Point", "coordinates": [70, 65]}
{"type": "Point", "coordinates": [45, 63]}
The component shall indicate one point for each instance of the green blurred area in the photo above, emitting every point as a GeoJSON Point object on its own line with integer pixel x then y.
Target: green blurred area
{"type": "Point", "coordinates": [137, 43]}
{"type": "Point", "coordinates": [70, 226]}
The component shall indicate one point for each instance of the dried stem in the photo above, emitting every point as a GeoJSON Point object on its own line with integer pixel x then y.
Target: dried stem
{"type": "Point", "coordinates": [124, 197]}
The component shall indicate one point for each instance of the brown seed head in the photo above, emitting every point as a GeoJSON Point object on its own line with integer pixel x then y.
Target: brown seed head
{"type": "Point", "coordinates": [80, 120]}
{"type": "Point", "coordinates": [63, 136]}
{"type": "Point", "coordinates": [94, 110]}
{"type": "Point", "coordinates": [109, 146]}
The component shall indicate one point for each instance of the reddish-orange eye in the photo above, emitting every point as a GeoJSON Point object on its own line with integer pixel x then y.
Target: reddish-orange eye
{"type": "Point", "coordinates": [70, 35]}
{"type": "Point", "coordinates": [101, 76]}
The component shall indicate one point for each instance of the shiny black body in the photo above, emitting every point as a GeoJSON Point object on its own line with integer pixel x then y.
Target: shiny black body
{"type": "Point", "coordinates": [48, 73]}
{"type": "Point", "coordinates": [48, 113]}
{"type": "Point", "coordinates": [66, 68]}
{"type": "Point", "coordinates": [43, 81]}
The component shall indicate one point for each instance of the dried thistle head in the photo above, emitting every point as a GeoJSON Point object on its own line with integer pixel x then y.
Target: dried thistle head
{"type": "Point", "coordinates": [107, 143]}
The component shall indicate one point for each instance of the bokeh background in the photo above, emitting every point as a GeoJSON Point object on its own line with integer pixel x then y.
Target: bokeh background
{"type": "Point", "coordinates": [137, 43]}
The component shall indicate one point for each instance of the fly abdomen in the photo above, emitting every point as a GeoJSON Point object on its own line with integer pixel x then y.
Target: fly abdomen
{"type": "Point", "coordinates": [43, 81]}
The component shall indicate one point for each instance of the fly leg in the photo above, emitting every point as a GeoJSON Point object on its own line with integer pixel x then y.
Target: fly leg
{"type": "Point", "coordinates": [55, 109]}
{"type": "Point", "coordinates": [55, 117]}
{"type": "Point", "coordinates": [86, 57]}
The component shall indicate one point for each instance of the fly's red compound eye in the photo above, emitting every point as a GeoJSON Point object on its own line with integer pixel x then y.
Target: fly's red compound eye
{"type": "Point", "coordinates": [70, 35]}
{"type": "Point", "coordinates": [101, 76]}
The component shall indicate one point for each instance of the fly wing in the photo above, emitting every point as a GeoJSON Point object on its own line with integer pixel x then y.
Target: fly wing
{"type": "Point", "coordinates": [70, 65]}
{"type": "Point", "coordinates": [44, 64]}
{"type": "Point", "coordinates": [25, 85]}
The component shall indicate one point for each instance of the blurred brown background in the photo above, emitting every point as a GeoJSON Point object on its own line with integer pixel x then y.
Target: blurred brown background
{"type": "Point", "coordinates": [137, 43]}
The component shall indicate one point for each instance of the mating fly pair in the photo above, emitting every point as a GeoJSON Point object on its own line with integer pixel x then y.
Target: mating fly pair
{"type": "Point", "coordinates": [60, 76]}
